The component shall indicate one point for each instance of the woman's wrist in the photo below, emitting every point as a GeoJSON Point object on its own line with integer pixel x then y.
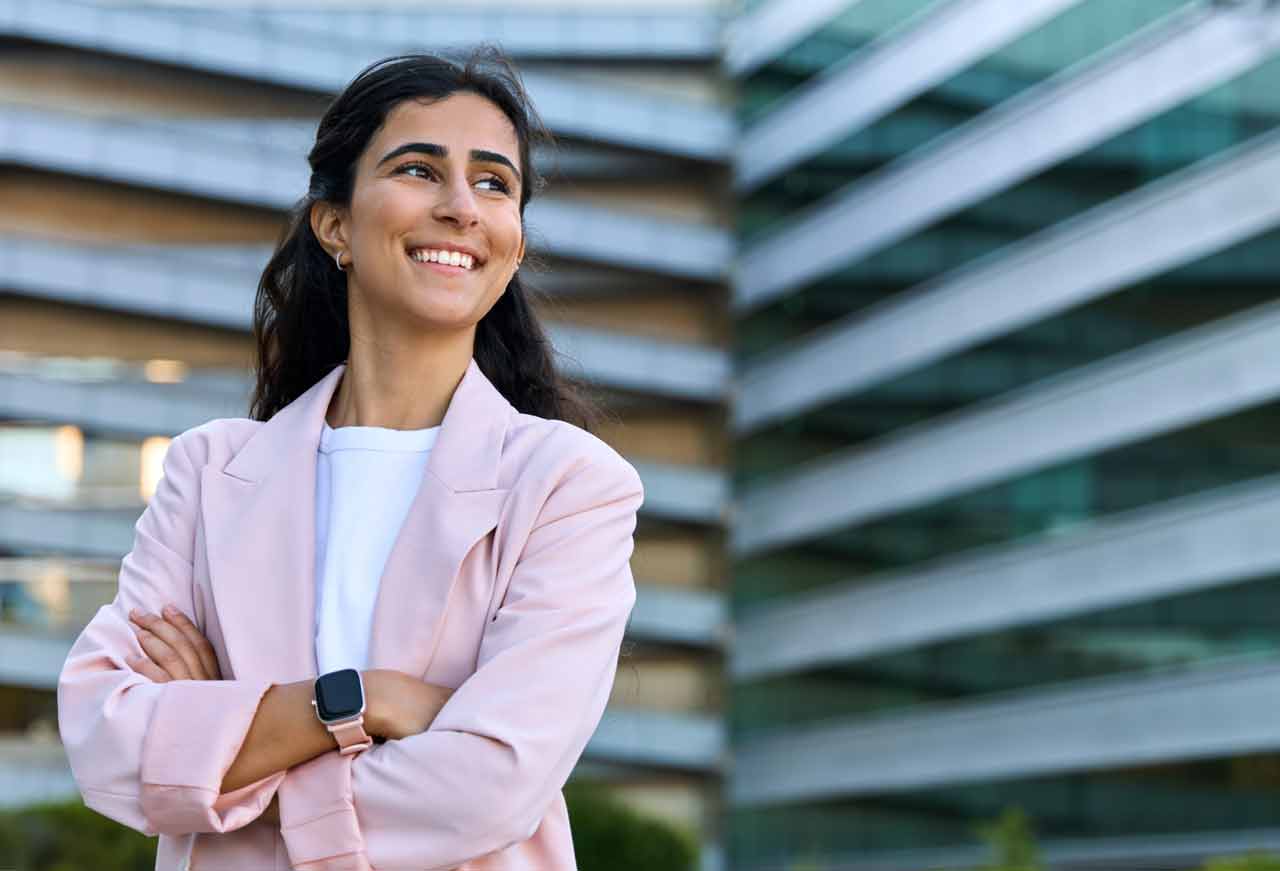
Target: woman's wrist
{"type": "Point", "coordinates": [374, 725]}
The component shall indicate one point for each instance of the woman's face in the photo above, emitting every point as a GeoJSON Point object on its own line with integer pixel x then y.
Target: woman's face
{"type": "Point", "coordinates": [438, 179]}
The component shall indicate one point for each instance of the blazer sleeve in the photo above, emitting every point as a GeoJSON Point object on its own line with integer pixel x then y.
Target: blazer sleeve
{"type": "Point", "coordinates": [482, 777]}
{"type": "Point", "coordinates": [152, 755]}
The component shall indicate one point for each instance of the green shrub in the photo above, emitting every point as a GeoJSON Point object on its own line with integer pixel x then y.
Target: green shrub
{"type": "Point", "coordinates": [1250, 862]}
{"type": "Point", "coordinates": [609, 836]}
{"type": "Point", "coordinates": [1012, 841]}
{"type": "Point", "coordinates": [68, 836]}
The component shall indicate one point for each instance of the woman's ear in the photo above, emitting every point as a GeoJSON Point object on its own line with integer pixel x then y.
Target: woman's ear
{"type": "Point", "coordinates": [328, 225]}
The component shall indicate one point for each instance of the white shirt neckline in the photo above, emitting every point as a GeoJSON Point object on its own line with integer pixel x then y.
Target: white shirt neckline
{"type": "Point", "coordinates": [377, 438]}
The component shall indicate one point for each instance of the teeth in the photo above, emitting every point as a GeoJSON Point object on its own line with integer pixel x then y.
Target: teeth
{"type": "Point", "coordinates": [450, 258]}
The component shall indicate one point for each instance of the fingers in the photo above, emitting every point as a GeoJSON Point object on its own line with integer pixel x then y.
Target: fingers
{"type": "Point", "coordinates": [177, 645]}
{"type": "Point", "coordinates": [204, 650]}
{"type": "Point", "coordinates": [146, 667]}
{"type": "Point", "coordinates": [161, 654]}
{"type": "Point", "coordinates": [167, 647]}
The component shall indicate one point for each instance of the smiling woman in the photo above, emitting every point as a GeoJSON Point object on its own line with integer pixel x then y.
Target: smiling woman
{"type": "Point", "coordinates": [425, 195]}
{"type": "Point", "coordinates": [397, 592]}
{"type": "Point", "coordinates": [418, 161]}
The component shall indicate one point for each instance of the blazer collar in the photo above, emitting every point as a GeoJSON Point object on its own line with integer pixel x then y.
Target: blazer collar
{"type": "Point", "coordinates": [260, 535]}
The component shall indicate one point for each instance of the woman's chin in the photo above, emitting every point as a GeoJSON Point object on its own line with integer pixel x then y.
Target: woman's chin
{"type": "Point", "coordinates": [443, 314]}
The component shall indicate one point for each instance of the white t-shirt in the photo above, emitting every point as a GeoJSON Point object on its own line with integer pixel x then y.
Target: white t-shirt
{"type": "Point", "coordinates": [366, 479]}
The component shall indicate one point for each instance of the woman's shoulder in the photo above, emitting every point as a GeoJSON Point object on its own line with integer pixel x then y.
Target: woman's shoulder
{"type": "Point", "coordinates": [215, 441]}
{"type": "Point", "coordinates": [556, 449]}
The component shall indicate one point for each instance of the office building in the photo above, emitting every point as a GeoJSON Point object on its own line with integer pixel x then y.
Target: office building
{"type": "Point", "coordinates": [1005, 395]}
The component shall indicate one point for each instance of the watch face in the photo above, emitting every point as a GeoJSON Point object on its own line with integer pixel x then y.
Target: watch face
{"type": "Point", "coordinates": [339, 695]}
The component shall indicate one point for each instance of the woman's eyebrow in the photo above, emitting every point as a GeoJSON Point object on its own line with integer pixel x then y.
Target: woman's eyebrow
{"type": "Point", "coordinates": [435, 150]}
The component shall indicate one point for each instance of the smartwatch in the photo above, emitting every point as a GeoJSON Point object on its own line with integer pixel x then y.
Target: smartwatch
{"type": "Point", "coordinates": [339, 704]}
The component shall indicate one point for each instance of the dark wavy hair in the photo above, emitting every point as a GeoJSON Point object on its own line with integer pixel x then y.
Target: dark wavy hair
{"type": "Point", "coordinates": [300, 312]}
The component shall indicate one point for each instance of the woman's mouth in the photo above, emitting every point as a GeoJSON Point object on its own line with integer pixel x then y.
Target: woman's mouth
{"type": "Point", "coordinates": [444, 261]}
{"type": "Point", "coordinates": [446, 268]}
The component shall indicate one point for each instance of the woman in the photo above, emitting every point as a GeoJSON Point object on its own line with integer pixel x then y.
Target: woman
{"type": "Point", "coordinates": [411, 515]}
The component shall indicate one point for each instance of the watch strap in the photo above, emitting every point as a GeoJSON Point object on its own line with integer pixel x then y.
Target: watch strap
{"type": "Point", "coordinates": [350, 735]}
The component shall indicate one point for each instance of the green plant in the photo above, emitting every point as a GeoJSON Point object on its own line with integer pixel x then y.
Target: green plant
{"type": "Point", "coordinates": [67, 836]}
{"type": "Point", "coordinates": [1012, 841]}
{"type": "Point", "coordinates": [1248, 862]}
{"type": "Point", "coordinates": [609, 836]}
{"type": "Point", "coordinates": [807, 863]}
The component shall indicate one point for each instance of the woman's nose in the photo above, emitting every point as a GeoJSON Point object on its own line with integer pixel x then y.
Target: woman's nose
{"type": "Point", "coordinates": [457, 204]}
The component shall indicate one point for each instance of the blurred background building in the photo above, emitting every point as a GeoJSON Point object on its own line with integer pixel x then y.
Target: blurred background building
{"type": "Point", "coordinates": [1004, 419]}
{"type": "Point", "coordinates": [148, 154]}
{"type": "Point", "coordinates": [943, 335]}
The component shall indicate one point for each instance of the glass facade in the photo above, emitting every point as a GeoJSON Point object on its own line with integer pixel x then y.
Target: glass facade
{"type": "Point", "coordinates": [66, 469]}
{"type": "Point", "coordinates": [1221, 795]}
{"type": "Point", "coordinates": [1224, 622]}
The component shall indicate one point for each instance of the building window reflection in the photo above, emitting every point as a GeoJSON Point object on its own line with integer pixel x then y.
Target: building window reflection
{"type": "Point", "coordinates": [61, 466]}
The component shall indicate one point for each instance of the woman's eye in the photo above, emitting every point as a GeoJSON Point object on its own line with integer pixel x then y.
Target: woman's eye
{"type": "Point", "coordinates": [409, 167]}
{"type": "Point", "coordinates": [497, 183]}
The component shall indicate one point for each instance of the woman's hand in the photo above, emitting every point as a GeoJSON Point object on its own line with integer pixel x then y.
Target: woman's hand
{"type": "Point", "coordinates": [398, 705]}
{"type": "Point", "coordinates": [174, 647]}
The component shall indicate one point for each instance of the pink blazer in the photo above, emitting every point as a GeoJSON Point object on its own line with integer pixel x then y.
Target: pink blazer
{"type": "Point", "coordinates": [510, 582]}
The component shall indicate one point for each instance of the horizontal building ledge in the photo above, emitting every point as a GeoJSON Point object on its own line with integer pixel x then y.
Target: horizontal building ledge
{"type": "Point", "coordinates": [1198, 375]}
{"type": "Point", "coordinates": [1191, 544]}
{"type": "Point", "coordinates": [1224, 709]}
{"type": "Point", "coordinates": [235, 46]}
{"type": "Point", "coordinates": [524, 32]}
{"type": "Point", "coordinates": [1136, 853]}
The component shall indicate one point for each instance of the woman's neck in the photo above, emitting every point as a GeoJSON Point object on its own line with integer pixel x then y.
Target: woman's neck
{"type": "Point", "coordinates": [395, 391]}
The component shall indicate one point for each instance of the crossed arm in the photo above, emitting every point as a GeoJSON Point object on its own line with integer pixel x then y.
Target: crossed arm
{"type": "Point", "coordinates": [285, 730]}
{"type": "Point", "coordinates": [160, 742]}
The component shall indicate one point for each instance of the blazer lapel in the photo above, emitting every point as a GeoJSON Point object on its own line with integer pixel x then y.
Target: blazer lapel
{"type": "Point", "coordinates": [259, 519]}
{"type": "Point", "coordinates": [458, 503]}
